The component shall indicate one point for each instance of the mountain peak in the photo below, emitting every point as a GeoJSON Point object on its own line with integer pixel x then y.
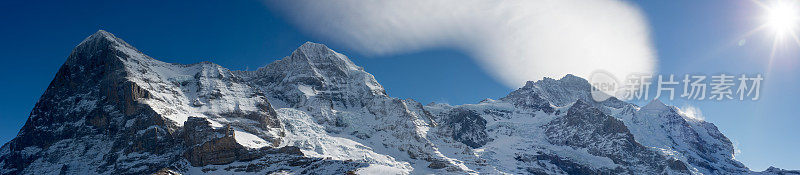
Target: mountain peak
{"type": "Point", "coordinates": [315, 71]}
{"type": "Point", "coordinates": [570, 77]}
{"type": "Point", "coordinates": [321, 59]}
{"type": "Point", "coordinates": [312, 45]}
{"type": "Point", "coordinates": [655, 105]}
{"type": "Point", "coordinates": [102, 33]}
{"type": "Point", "coordinates": [103, 37]}
{"type": "Point", "coordinates": [558, 92]}
{"type": "Point", "coordinates": [567, 80]}
{"type": "Point", "coordinates": [101, 45]}
{"type": "Point", "coordinates": [312, 49]}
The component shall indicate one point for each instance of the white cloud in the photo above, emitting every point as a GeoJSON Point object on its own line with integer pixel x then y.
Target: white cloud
{"type": "Point", "coordinates": [515, 40]}
{"type": "Point", "coordinates": [736, 151]}
{"type": "Point", "coordinates": [692, 112]}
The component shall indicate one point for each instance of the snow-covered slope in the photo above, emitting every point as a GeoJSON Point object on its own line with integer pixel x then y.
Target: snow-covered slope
{"type": "Point", "coordinates": [113, 110]}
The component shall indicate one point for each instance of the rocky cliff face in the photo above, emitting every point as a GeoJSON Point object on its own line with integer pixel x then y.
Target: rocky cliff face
{"type": "Point", "coordinates": [113, 110]}
{"type": "Point", "coordinates": [110, 109]}
{"type": "Point", "coordinates": [602, 135]}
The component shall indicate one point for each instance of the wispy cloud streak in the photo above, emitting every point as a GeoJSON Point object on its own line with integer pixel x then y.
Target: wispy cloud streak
{"type": "Point", "coordinates": [516, 41]}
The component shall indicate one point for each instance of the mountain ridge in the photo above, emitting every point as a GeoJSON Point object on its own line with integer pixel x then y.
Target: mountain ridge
{"type": "Point", "coordinates": [315, 111]}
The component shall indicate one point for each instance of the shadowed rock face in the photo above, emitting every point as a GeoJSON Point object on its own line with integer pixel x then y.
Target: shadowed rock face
{"type": "Point", "coordinates": [207, 145]}
{"type": "Point", "coordinates": [87, 104]}
{"type": "Point", "coordinates": [587, 127]}
{"type": "Point", "coordinates": [468, 127]}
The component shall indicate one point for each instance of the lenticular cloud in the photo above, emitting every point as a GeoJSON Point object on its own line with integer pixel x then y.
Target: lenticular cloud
{"type": "Point", "coordinates": [516, 41]}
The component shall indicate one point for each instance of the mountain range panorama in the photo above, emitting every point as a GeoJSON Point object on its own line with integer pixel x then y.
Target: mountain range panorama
{"type": "Point", "coordinates": [110, 109]}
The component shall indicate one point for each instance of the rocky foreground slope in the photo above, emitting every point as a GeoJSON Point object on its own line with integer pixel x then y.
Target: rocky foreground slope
{"type": "Point", "coordinates": [113, 110]}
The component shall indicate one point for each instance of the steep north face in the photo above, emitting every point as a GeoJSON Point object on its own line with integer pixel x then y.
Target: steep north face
{"type": "Point", "coordinates": [113, 110]}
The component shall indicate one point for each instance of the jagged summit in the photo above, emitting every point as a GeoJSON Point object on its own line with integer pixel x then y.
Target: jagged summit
{"type": "Point", "coordinates": [315, 72]}
{"type": "Point", "coordinates": [320, 57]}
{"type": "Point", "coordinates": [780, 171]}
{"type": "Point", "coordinates": [314, 59]}
{"type": "Point", "coordinates": [561, 92]}
{"type": "Point", "coordinates": [103, 48]}
{"type": "Point", "coordinates": [100, 36]}
{"type": "Point", "coordinates": [312, 45]}
{"type": "Point", "coordinates": [569, 80]}
{"type": "Point", "coordinates": [655, 105]}
{"type": "Point", "coordinates": [572, 78]}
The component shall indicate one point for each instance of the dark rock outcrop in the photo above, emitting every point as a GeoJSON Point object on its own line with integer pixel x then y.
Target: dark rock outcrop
{"type": "Point", "coordinates": [468, 127]}
{"type": "Point", "coordinates": [587, 127]}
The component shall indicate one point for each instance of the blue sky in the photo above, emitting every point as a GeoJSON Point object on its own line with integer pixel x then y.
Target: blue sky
{"type": "Point", "coordinates": [687, 37]}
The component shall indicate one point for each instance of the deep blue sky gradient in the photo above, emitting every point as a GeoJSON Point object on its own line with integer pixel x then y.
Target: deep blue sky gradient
{"type": "Point", "coordinates": [689, 36]}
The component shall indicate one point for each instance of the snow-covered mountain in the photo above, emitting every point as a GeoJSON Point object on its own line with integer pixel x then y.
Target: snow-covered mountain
{"type": "Point", "coordinates": [113, 110]}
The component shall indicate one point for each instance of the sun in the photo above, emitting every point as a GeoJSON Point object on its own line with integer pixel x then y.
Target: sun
{"type": "Point", "coordinates": [782, 17]}
{"type": "Point", "coordinates": [781, 20]}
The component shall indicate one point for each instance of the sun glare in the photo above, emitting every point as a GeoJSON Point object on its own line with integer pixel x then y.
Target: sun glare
{"type": "Point", "coordinates": [783, 17]}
